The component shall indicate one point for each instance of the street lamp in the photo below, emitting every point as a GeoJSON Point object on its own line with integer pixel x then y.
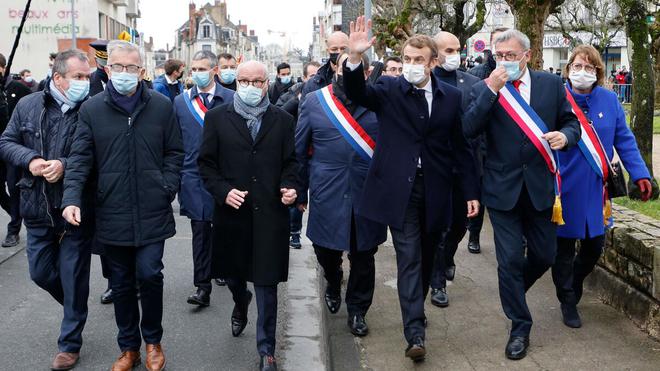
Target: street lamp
{"type": "Point", "coordinates": [74, 43]}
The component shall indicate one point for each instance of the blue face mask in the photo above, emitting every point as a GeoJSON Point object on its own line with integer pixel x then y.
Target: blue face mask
{"type": "Point", "coordinates": [228, 75]}
{"type": "Point", "coordinates": [124, 82]}
{"type": "Point", "coordinates": [285, 79]}
{"type": "Point", "coordinates": [78, 90]}
{"type": "Point", "coordinates": [202, 78]}
{"type": "Point", "coordinates": [512, 69]}
{"type": "Point", "coordinates": [250, 95]}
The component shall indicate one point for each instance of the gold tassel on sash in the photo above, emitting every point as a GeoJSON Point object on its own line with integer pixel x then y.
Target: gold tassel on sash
{"type": "Point", "coordinates": [557, 216]}
{"type": "Point", "coordinates": [607, 212]}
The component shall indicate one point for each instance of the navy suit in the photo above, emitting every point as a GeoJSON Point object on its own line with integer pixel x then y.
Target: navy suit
{"type": "Point", "coordinates": [447, 249]}
{"type": "Point", "coordinates": [414, 202]}
{"type": "Point", "coordinates": [196, 202]}
{"type": "Point", "coordinates": [518, 188]}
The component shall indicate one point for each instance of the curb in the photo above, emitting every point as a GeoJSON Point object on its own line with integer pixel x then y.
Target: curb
{"type": "Point", "coordinates": [306, 332]}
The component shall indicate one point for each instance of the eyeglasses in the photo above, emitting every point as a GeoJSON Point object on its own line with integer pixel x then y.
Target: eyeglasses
{"type": "Point", "coordinates": [395, 69]}
{"type": "Point", "coordinates": [577, 67]}
{"type": "Point", "coordinates": [255, 83]}
{"type": "Point", "coordinates": [509, 57]}
{"type": "Point", "coordinates": [118, 68]}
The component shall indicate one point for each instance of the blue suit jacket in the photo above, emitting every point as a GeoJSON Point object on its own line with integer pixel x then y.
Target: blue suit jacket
{"type": "Point", "coordinates": [582, 196]}
{"type": "Point", "coordinates": [511, 160]}
{"type": "Point", "coordinates": [405, 134]}
{"type": "Point", "coordinates": [336, 179]}
{"type": "Point", "coordinates": [196, 203]}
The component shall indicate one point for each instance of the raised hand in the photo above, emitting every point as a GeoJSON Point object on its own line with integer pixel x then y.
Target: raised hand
{"type": "Point", "coordinates": [358, 40]}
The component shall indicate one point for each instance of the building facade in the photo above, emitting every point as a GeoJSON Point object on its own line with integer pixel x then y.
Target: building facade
{"type": "Point", "coordinates": [209, 28]}
{"type": "Point", "coordinates": [48, 27]}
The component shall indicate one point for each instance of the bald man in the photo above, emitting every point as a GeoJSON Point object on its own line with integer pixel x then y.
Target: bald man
{"type": "Point", "coordinates": [444, 268]}
{"type": "Point", "coordinates": [248, 163]}
{"type": "Point", "coordinates": [336, 43]}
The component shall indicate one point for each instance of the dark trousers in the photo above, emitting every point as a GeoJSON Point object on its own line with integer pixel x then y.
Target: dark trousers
{"type": "Point", "coordinates": [517, 269]}
{"type": "Point", "coordinates": [360, 288]}
{"type": "Point", "coordinates": [105, 269]}
{"type": "Point", "coordinates": [295, 220]}
{"type": "Point", "coordinates": [266, 312]}
{"type": "Point", "coordinates": [445, 251]}
{"type": "Point", "coordinates": [144, 264]}
{"type": "Point", "coordinates": [59, 263]}
{"type": "Point", "coordinates": [415, 248]}
{"type": "Point", "coordinates": [14, 174]}
{"type": "Point", "coordinates": [201, 248]}
{"type": "Point", "coordinates": [569, 270]}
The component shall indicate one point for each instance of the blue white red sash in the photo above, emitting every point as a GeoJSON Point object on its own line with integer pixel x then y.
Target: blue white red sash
{"type": "Point", "coordinates": [349, 128]}
{"type": "Point", "coordinates": [589, 143]}
{"type": "Point", "coordinates": [195, 106]}
{"type": "Point", "coordinates": [533, 126]}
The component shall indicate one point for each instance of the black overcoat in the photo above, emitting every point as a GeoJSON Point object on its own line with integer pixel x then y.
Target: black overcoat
{"type": "Point", "coordinates": [250, 243]}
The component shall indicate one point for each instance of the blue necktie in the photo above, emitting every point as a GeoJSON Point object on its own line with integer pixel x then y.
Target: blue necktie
{"type": "Point", "coordinates": [205, 97]}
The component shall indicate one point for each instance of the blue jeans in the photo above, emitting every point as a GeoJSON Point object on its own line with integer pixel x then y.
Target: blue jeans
{"type": "Point", "coordinates": [59, 262]}
{"type": "Point", "coordinates": [144, 264]}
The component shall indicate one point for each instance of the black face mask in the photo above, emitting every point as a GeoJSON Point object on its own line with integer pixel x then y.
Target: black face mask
{"type": "Point", "coordinates": [333, 58]}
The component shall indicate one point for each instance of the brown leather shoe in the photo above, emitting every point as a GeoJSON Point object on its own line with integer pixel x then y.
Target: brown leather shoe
{"type": "Point", "coordinates": [155, 357]}
{"type": "Point", "coordinates": [126, 361]}
{"type": "Point", "coordinates": [64, 361]}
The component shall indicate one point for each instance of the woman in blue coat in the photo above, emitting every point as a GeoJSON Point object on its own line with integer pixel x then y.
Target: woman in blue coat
{"type": "Point", "coordinates": [334, 172]}
{"type": "Point", "coordinates": [582, 188]}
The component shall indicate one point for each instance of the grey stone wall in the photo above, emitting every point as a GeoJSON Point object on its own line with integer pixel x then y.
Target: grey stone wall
{"type": "Point", "coordinates": [628, 274]}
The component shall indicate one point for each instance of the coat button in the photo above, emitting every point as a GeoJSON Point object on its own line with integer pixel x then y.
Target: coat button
{"type": "Point", "coordinates": [525, 167]}
{"type": "Point", "coordinates": [254, 152]}
{"type": "Point", "coordinates": [254, 178]}
{"type": "Point", "coordinates": [345, 196]}
{"type": "Point", "coordinates": [37, 134]}
{"type": "Point", "coordinates": [256, 208]}
{"type": "Point", "coordinates": [410, 179]}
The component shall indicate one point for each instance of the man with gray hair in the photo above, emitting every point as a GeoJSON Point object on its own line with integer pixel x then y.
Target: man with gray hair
{"type": "Point", "coordinates": [526, 117]}
{"type": "Point", "coordinates": [248, 163]}
{"type": "Point", "coordinates": [196, 203]}
{"type": "Point", "coordinates": [38, 140]}
{"type": "Point", "coordinates": [128, 136]}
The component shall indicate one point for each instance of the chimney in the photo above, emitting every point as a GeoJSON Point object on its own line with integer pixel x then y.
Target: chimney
{"type": "Point", "coordinates": [251, 32]}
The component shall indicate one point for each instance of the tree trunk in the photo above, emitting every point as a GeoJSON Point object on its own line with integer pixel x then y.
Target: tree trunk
{"type": "Point", "coordinates": [641, 115]}
{"type": "Point", "coordinates": [530, 18]}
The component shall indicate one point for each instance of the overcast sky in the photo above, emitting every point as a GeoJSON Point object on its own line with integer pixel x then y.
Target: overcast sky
{"type": "Point", "coordinates": [161, 17]}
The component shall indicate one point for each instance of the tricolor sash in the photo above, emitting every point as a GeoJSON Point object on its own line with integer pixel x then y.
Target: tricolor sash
{"type": "Point", "coordinates": [533, 126]}
{"type": "Point", "coordinates": [594, 152]}
{"type": "Point", "coordinates": [195, 106]}
{"type": "Point", "coordinates": [589, 143]}
{"type": "Point", "coordinates": [349, 128]}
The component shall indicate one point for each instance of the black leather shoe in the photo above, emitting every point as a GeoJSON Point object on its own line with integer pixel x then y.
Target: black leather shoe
{"type": "Point", "coordinates": [220, 282]}
{"type": "Point", "coordinates": [416, 350]}
{"type": "Point", "coordinates": [295, 243]}
{"type": "Point", "coordinates": [474, 247]}
{"type": "Point", "coordinates": [426, 322]}
{"type": "Point", "coordinates": [106, 297]}
{"type": "Point", "coordinates": [239, 316]}
{"type": "Point", "coordinates": [11, 240]}
{"type": "Point", "coordinates": [571, 316]}
{"type": "Point", "coordinates": [332, 300]}
{"type": "Point", "coordinates": [450, 272]}
{"type": "Point", "coordinates": [358, 325]}
{"type": "Point", "coordinates": [267, 363]}
{"type": "Point", "coordinates": [517, 346]}
{"type": "Point", "coordinates": [439, 297]}
{"type": "Point", "coordinates": [201, 298]}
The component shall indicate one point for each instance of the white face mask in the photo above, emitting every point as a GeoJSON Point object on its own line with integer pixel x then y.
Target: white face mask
{"type": "Point", "coordinates": [414, 73]}
{"type": "Point", "coordinates": [582, 80]}
{"type": "Point", "coordinates": [452, 62]}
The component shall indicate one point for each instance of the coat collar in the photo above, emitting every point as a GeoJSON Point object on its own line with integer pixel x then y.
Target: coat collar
{"type": "Point", "coordinates": [407, 87]}
{"type": "Point", "coordinates": [241, 126]}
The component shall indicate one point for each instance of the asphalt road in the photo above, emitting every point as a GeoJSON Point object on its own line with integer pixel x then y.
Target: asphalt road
{"type": "Point", "coordinates": [194, 339]}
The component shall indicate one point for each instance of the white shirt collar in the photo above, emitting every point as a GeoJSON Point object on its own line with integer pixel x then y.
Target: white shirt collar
{"type": "Point", "coordinates": [170, 81]}
{"type": "Point", "coordinates": [428, 87]}
{"type": "Point", "coordinates": [526, 78]}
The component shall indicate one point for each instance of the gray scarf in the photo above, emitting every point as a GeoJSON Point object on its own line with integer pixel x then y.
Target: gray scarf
{"type": "Point", "coordinates": [251, 114]}
{"type": "Point", "coordinates": [61, 99]}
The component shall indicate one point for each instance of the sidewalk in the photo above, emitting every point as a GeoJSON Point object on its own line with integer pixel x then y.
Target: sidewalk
{"type": "Point", "coordinates": [472, 332]}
